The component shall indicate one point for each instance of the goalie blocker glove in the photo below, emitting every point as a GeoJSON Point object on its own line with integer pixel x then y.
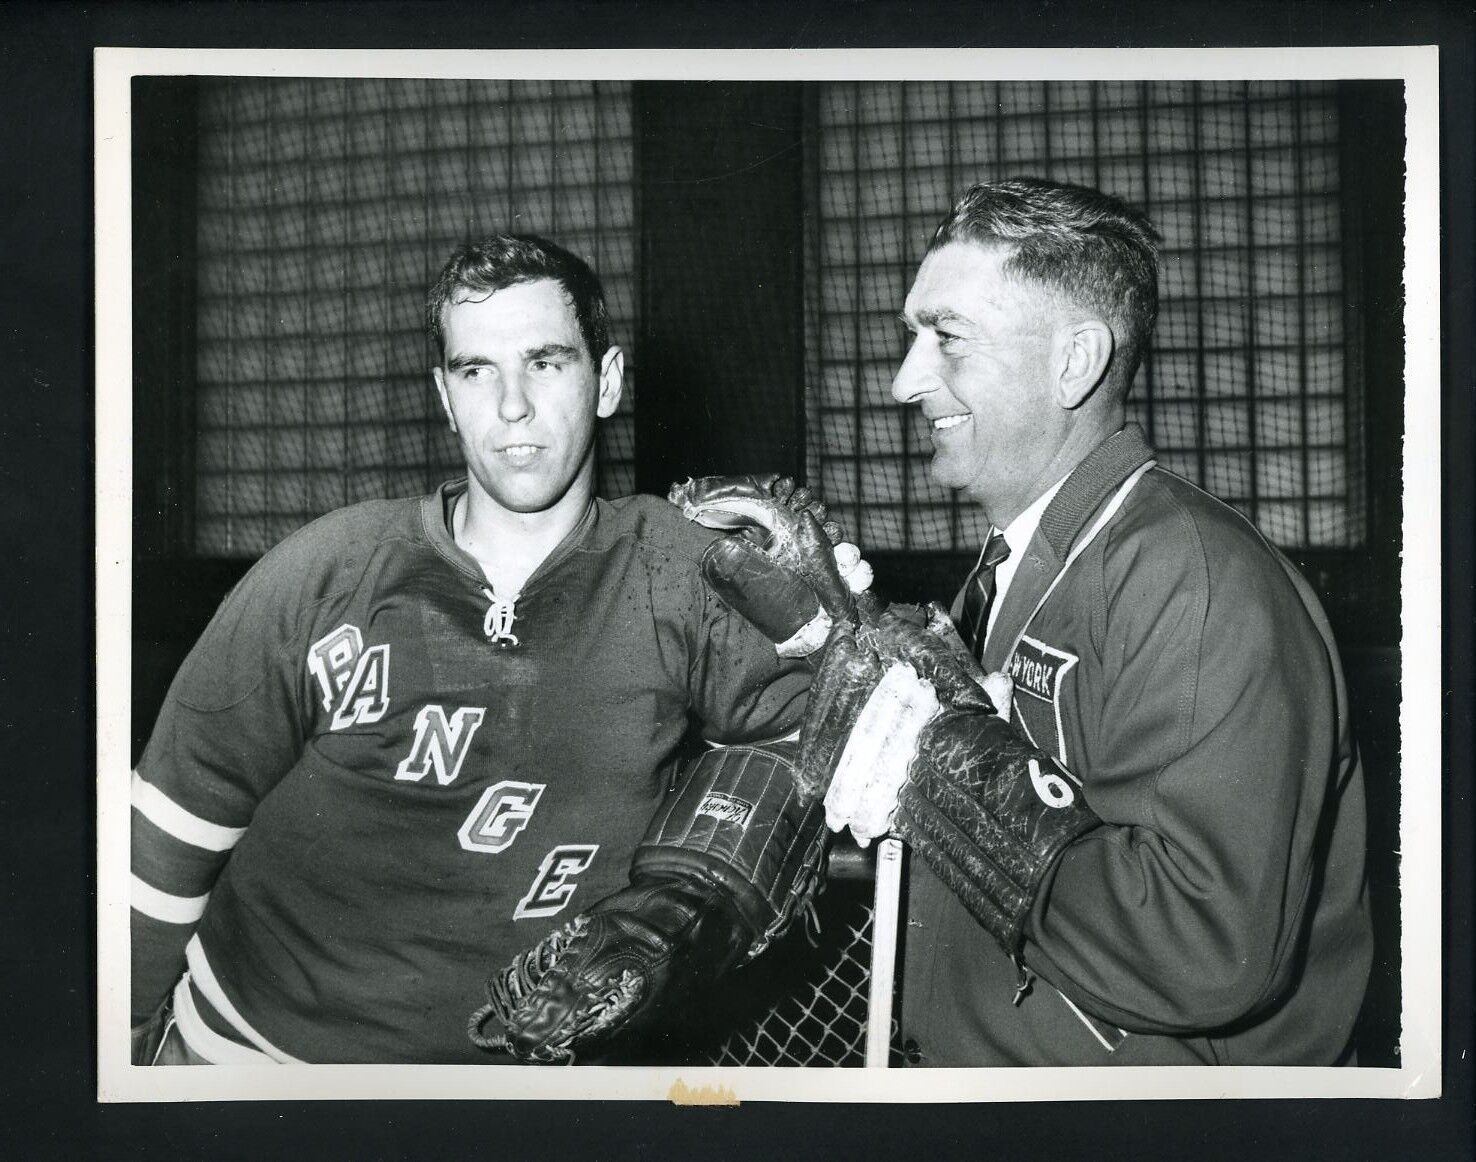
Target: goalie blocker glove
{"type": "Point", "coordinates": [728, 862]}
{"type": "Point", "coordinates": [900, 733]}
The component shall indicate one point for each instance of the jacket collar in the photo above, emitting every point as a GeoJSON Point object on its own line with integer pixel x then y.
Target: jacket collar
{"type": "Point", "coordinates": [1090, 484]}
{"type": "Point", "coordinates": [1088, 487]}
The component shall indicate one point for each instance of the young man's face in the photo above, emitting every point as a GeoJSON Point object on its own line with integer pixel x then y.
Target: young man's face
{"type": "Point", "coordinates": [980, 369]}
{"type": "Point", "coordinates": [522, 393]}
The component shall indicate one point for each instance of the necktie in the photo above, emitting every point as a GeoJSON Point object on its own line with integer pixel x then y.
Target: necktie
{"type": "Point", "coordinates": [979, 592]}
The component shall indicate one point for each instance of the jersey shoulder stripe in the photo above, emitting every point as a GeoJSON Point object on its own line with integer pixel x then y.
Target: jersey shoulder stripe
{"type": "Point", "coordinates": [169, 864]}
{"type": "Point", "coordinates": [204, 979]}
{"type": "Point", "coordinates": [157, 905]}
{"type": "Point", "coordinates": [205, 1041]}
{"type": "Point", "coordinates": [169, 817]}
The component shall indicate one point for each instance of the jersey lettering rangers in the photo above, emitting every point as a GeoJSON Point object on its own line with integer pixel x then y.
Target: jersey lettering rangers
{"type": "Point", "coordinates": [373, 780]}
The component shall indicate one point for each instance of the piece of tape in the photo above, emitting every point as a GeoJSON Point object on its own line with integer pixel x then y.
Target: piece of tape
{"type": "Point", "coordinates": [807, 639]}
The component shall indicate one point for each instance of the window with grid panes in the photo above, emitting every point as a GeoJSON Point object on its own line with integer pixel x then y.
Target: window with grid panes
{"type": "Point", "coordinates": [1245, 390]}
{"type": "Point", "coordinates": [326, 209]}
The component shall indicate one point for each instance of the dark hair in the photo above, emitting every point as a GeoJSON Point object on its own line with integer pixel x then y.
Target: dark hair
{"type": "Point", "coordinates": [503, 260]}
{"type": "Point", "coordinates": [1078, 242]}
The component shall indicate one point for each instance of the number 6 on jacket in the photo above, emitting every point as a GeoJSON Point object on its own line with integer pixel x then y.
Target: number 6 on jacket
{"type": "Point", "coordinates": [987, 810]}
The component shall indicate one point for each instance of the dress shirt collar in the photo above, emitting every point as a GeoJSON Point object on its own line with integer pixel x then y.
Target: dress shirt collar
{"type": "Point", "coordinates": [1017, 535]}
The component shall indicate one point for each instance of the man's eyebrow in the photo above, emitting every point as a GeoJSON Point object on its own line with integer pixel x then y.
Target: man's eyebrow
{"type": "Point", "coordinates": [938, 316]}
{"type": "Point", "coordinates": [460, 361]}
{"type": "Point", "coordinates": [547, 350]}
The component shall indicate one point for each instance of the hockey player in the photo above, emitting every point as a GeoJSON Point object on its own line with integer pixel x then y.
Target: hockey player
{"type": "Point", "coordinates": [422, 735]}
{"type": "Point", "coordinates": [1154, 852]}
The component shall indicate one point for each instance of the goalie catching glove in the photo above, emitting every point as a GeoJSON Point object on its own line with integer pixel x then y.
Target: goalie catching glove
{"type": "Point", "coordinates": [902, 735]}
{"type": "Point", "coordinates": [788, 569]}
{"type": "Point", "coordinates": [725, 867]}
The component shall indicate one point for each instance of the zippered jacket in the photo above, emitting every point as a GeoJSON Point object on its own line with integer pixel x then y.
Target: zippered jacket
{"type": "Point", "coordinates": [1180, 668]}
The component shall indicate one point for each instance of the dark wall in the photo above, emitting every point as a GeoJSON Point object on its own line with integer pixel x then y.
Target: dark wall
{"type": "Point", "coordinates": [1361, 589]}
{"type": "Point", "coordinates": [174, 593]}
{"type": "Point", "coordinates": [722, 280]}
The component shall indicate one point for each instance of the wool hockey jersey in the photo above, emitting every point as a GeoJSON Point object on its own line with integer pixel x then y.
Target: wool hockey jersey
{"type": "Point", "coordinates": [373, 781]}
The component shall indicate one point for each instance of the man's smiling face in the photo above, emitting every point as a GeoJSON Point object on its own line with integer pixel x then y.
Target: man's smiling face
{"type": "Point", "coordinates": [522, 392]}
{"type": "Point", "coordinates": [980, 368]}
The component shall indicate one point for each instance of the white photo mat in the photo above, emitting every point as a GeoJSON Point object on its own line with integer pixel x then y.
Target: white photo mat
{"type": "Point", "coordinates": [1419, 1075]}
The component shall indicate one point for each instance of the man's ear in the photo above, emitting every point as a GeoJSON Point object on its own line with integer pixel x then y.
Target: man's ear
{"type": "Point", "coordinates": [1083, 353]}
{"type": "Point", "coordinates": [612, 382]}
{"type": "Point", "coordinates": [440, 377]}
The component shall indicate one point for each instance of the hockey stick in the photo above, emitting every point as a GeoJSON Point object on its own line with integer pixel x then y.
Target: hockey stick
{"type": "Point", "coordinates": [883, 952]}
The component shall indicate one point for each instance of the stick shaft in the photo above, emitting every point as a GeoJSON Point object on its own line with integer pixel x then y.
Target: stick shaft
{"type": "Point", "coordinates": [883, 952]}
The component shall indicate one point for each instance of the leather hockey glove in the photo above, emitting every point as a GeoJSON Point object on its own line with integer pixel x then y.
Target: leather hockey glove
{"type": "Point", "coordinates": [788, 569]}
{"type": "Point", "coordinates": [902, 736]}
{"type": "Point", "coordinates": [727, 864]}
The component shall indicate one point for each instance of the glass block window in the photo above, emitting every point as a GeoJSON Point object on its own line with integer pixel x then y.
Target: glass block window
{"type": "Point", "coordinates": [1245, 391]}
{"type": "Point", "coordinates": [326, 209]}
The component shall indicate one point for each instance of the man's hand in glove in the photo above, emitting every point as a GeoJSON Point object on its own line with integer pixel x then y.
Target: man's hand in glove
{"type": "Point", "coordinates": [787, 569]}
{"type": "Point", "coordinates": [728, 862]}
{"type": "Point", "coordinates": [905, 734]}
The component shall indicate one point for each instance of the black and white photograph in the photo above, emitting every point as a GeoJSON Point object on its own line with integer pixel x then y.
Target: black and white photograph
{"type": "Point", "coordinates": [878, 576]}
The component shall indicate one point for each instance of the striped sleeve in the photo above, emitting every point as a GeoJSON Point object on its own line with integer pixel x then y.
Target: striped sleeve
{"type": "Point", "coordinates": [231, 727]}
{"type": "Point", "coordinates": [176, 856]}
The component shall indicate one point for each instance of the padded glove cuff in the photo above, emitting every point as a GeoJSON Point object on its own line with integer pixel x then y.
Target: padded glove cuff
{"type": "Point", "coordinates": [990, 814]}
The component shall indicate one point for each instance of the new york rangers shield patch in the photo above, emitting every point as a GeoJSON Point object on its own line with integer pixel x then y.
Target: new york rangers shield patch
{"type": "Point", "coordinates": [1039, 672]}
